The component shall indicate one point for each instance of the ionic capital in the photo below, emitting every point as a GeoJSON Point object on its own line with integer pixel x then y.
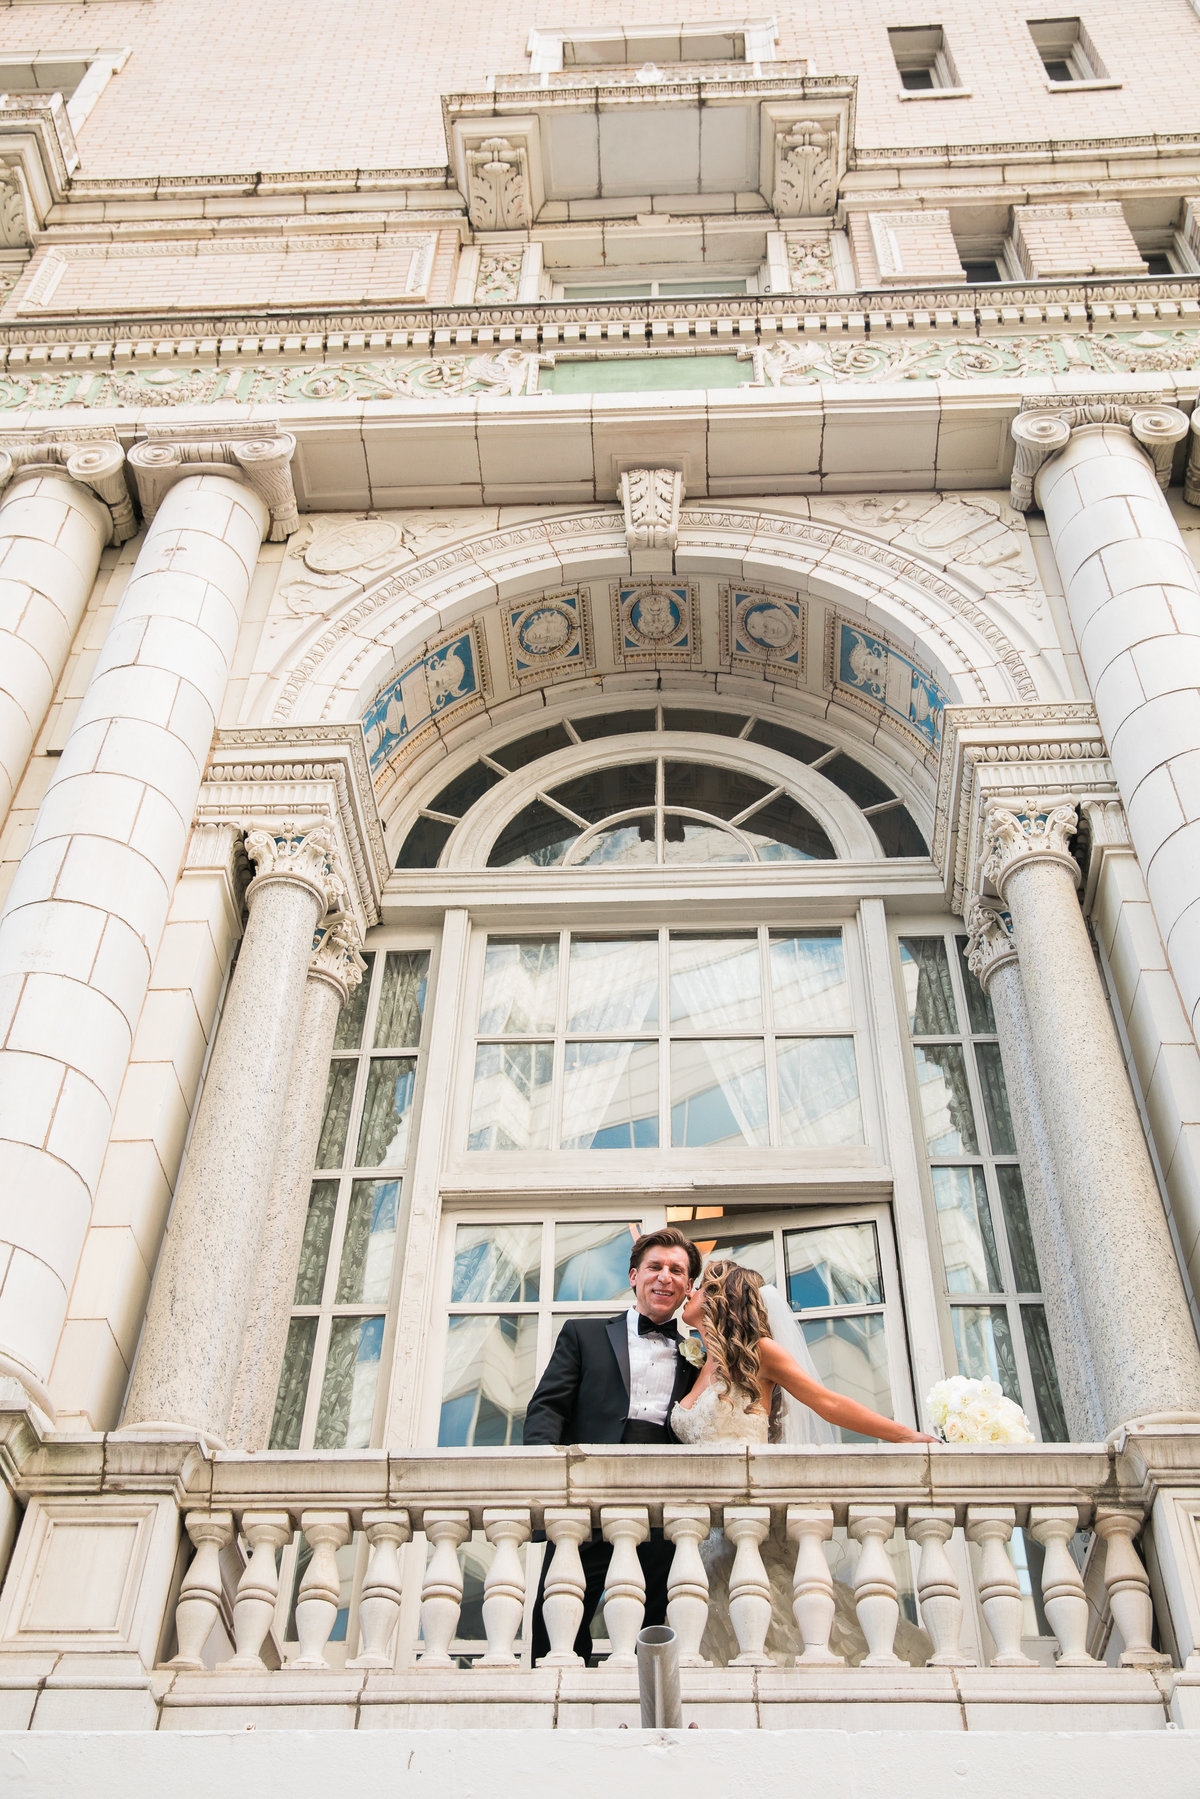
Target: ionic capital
{"type": "Point", "coordinates": [1036, 436]}
{"type": "Point", "coordinates": [94, 459]}
{"type": "Point", "coordinates": [1040, 430]}
{"type": "Point", "coordinates": [1191, 479]}
{"type": "Point", "coordinates": [1158, 429]}
{"type": "Point", "coordinates": [337, 956]}
{"type": "Point", "coordinates": [1013, 839]}
{"type": "Point", "coordinates": [990, 945]}
{"type": "Point", "coordinates": [261, 458]}
{"type": "Point", "coordinates": [289, 852]}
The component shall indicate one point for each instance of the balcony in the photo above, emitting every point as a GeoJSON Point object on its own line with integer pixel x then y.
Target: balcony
{"type": "Point", "coordinates": [204, 1591]}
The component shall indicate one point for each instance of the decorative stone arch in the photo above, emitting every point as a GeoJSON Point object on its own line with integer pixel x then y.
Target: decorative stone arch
{"type": "Point", "coordinates": [348, 658]}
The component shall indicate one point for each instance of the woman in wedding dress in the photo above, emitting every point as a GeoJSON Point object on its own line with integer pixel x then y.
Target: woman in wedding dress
{"type": "Point", "coordinates": [759, 1384]}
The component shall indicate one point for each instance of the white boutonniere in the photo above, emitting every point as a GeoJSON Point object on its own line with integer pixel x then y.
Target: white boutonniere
{"type": "Point", "coordinates": [692, 1351]}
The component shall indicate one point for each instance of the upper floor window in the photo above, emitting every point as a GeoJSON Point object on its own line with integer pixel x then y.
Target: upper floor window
{"type": "Point", "coordinates": [679, 287]}
{"type": "Point", "coordinates": [647, 47]}
{"type": "Point", "coordinates": [1066, 50]}
{"type": "Point", "coordinates": [923, 58]}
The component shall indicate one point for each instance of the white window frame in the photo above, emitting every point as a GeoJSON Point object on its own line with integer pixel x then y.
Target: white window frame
{"type": "Point", "coordinates": [81, 76]}
{"type": "Point", "coordinates": [552, 49]}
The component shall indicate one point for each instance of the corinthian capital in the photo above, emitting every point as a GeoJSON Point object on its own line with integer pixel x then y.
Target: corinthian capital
{"type": "Point", "coordinates": [337, 956]}
{"type": "Point", "coordinates": [990, 945]}
{"type": "Point", "coordinates": [288, 853]}
{"type": "Point", "coordinates": [261, 457]}
{"type": "Point", "coordinates": [1013, 838]}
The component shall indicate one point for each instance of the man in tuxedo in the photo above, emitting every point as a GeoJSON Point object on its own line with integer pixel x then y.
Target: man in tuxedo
{"type": "Point", "coordinates": [615, 1380]}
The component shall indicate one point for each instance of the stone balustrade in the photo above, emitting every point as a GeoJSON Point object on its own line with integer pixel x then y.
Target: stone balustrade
{"type": "Point", "coordinates": [937, 1525]}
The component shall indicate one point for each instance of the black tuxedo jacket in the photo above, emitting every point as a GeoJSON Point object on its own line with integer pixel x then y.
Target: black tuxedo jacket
{"type": "Point", "coordinates": [583, 1397]}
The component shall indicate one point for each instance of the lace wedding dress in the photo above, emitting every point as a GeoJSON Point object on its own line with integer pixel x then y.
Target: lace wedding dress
{"type": "Point", "coordinates": [716, 1417]}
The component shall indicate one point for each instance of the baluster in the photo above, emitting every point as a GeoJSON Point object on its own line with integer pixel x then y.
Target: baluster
{"type": "Point", "coordinates": [379, 1606]}
{"type": "Point", "coordinates": [1128, 1587]}
{"type": "Point", "coordinates": [999, 1588]}
{"type": "Point", "coordinates": [441, 1595]}
{"type": "Point", "coordinates": [562, 1599]}
{"type": "Point", "coordinates": [258, 1589]}
{"type": "Point", "coordinates": [747, 1526]}
{"type": "Point", "coordinates": [320, 1589]}
{"type": "Point", "coordinates": [932, 1526]}
{"type": "Point", "coordinates": [200, 1595]}
{"type": "Point", "coordinates": [625, 1588]}
{"type": "Point", "coordinates": [687, 1584]}
{"type": "Point", "coordinates": [503, 1587]}
{"type": "Point", "coordinates": [1063, 1594]}
{"type": "Point", "coordinates": [813, 1606]}
{"type": "Point", "coordinates": [875, 1582]}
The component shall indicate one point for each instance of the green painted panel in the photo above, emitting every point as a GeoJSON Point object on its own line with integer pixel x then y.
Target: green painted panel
{"type": "Point", "coordinates": [645, 374]}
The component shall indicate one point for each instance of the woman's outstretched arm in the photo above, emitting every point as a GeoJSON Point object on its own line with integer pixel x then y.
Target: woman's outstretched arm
{"type": "Point", "coordinates": [781, 1370]}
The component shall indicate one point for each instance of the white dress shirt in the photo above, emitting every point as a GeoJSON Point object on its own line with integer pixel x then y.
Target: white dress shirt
{"type": "Point", "coordinates": [653, 1363]}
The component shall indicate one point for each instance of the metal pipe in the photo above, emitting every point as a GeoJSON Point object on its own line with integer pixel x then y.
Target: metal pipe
{"type": "Point", "coordinates": [658, 1678]}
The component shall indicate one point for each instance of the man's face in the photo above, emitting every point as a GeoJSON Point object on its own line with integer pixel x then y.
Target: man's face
{"type": "Point", "coordinates": [660, 1282]}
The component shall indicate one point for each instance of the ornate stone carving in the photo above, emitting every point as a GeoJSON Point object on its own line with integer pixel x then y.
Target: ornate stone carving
{"type": "Point", "coordinates": [810, 263]}
{"type": "Point", "coordinates": [337, 955]}
{"type": "Point", "coordinates": [93, 458]}
{"type": "Point", "coordinates": [499, 275]}
{"type": "Point", "coordinates": [806, 168]}
{"type": "Point", "coordinates": [291, 852]}
{"type": "Point", "coordinates": [498, 190]}
{"type": "Point", "coordinates": [1013, 838]}
{"type": "Point", "coordinates": [1045, 425]}
{"type": "Point", "coordinates": [1191, 480]}
{"type": "Point", "coordinates": [14, 223]}
{"type": "Point", "coordinates": [1158, 430]}
{"type": "Point", "coordinates": [651, 498]}
{"type": "Point", "coordinates": [1037, 435]}
{"type": "Point", "coordinates": [260, 454]}
{"type": "Point", "coordinates": [655, 621]}
{"type": "Point", "coordinates": [990, 943]}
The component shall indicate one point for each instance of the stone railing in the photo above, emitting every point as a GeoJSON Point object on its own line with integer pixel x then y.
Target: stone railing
{"type": "Point", "coordinates": [790, 1503]}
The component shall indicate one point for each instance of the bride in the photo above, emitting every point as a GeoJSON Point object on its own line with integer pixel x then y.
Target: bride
{"type": "Point", "coordinates": [753, 1389]}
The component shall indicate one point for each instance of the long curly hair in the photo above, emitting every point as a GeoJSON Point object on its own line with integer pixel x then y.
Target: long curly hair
{"type": "Point", "coordinates": [735, 1322]}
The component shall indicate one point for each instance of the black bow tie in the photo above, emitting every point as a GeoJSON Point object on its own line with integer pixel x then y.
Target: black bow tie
{"type": "Point", "coordinates": [648, 1328]}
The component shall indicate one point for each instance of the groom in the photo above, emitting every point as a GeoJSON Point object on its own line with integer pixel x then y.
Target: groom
{"type": "Point", "coordinates": [615, 1380]}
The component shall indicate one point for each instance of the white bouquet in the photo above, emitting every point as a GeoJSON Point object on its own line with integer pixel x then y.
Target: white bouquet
{"type": "Point", "coordinates": [976, 1411]}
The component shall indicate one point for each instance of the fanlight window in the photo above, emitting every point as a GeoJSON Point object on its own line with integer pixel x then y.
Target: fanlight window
{"type": "Point", "coordinates": [670, 809]}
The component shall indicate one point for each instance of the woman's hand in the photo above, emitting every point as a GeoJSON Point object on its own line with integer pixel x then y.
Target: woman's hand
{"type": "Point", "coordinates": [778, 1368]}
{"type": "Point", "coordinates": [919, 1436]}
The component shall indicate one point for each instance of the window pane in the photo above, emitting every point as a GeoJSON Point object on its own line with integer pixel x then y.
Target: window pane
{"type": "Point", "coordinates": [983, 1344]}
{"type": "Point", "coordinates": [788, 742]}
{"type": "Point", "coordinates": [715, 983]}
{"type": "Point", "coordinates": [855, 781]}
{"type": "Point", "coordinates": [314, 1251]}
{"type": "Point", "coordinates": [832, 1265]}
{"type": "Point", "coordinates": [1045, 1377]}
{"type": "Point", "coordinates": [808, 982]}
{"type": "Point", "coordinates": [995, 1099]}
{"type": "Point", "coordinates": [488, 1380]}
{"type": "Point", "coordinates": [1016, 1221]}
{"type": "Point", "coordinates": [978, 1004]}
{"type": "Point", "coordinates": [612, 984]}
{"type": "Point", "coordinates": [402, 999]}
{"type": "Point", "coordinates": [591, 1261]}
{"type": "Point", "coordinates": [945, 1101]}
{"type": "Point", "coordinates": [851, 1357]}
{"type": "Point", "coordinates": [610, 1096]}
{"type": "Point", "coordinates": [613, 724]}
{"type": "Point", "coordinates": [496, 1261]}
{"type": "Point", "coordinates": [752, 1252]}
{"type": "Point", "coordinates": [632, 841]}
{"type": "Point", "coordinates": [965, 1227]}
{"type": "Point", "coordinates": [927, 990]}
{"type": "Point", "coordinates": [462, 792]}
{"type": "Point", "coordinates": [532, 747]}
{"type": "Point", "coordinates": [348, 1033]}
{"type": "Point", "coordinates": [520, 986]}
{"type": "Point", "coordinates": [608, 790]}
{"type": "Point", "coordinates": [696, 718]}
{"type": "Point", "coordinates": [689, 840]}
{"type": "Point", "coordinates": [348, 1390]}
{"type": "Point", "coordinates": [703, 787]}
{"type": "Point", "coordinates": [718, 1094]}
{"type": "Point", "coordinates": [339, 1090]}
{"type": "Point", "coordinates": [293, 1384]}
{"type": "Point", "coordinates": [368, 1247]}
{"type": "Point", "coordinates": [387, 1110]}
{"type": "Point", "coordinates": [538, 837]}
{"type": "Point", "coordinates": [898, 833]}
{"type": "Point", "coordinates": [783, 831]}
{"type": "Point", "coordinates": [818, 1092]}
{"type": "Point", "coordinates": [511, 1104]}
{"type": "Point", "coordinates": [424, 844]}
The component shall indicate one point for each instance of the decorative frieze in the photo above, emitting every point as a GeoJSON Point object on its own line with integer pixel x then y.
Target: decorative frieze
{"type": "Point", "coordinates": [261, 456]}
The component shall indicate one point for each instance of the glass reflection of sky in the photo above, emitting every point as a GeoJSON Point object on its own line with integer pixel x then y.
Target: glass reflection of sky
{"type": "Point", "coordinates": [836, 1266]}
{"type": "Point", "coordinates": [591, 1262]}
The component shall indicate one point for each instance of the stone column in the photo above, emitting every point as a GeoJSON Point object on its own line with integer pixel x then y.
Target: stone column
{"type": "Point", "coordinates": [1135, 1313]}
{"type": "Point", "coordinates": [198, 1309]}
{"type": "Point", "coordinates": [52, 530]}
{"type": "Point", "coordinates": [1133, 596]}
{"type": "Point", "coordinates": [334, 970]}
{"type": "Point", "coordinates": [86, 909]}
{"type": "Point", "coordinates": [992, 957]}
